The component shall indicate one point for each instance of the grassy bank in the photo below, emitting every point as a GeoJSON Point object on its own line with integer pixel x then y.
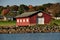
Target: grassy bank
{"type": "Point", "coordinates": [4, 27]}
{"type": "Point", "coordinates": [7, 23]}
{"type": "Point", "coordinates": [12, 23]}
{"type": "Point", "coordinates": [55, 22]}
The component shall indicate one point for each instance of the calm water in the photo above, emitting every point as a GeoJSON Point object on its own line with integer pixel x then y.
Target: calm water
{"type": "Point", "coordinates": [31, 36]}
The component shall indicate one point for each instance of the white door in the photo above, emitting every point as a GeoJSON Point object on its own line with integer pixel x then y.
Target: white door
{"type": "Point", "coordinates": [40, 20]}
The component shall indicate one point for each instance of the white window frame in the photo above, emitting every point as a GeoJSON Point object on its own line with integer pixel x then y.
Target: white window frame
{"type": "Point", "coordinates": [20, 20]}
{"type": "Point", "coordinates": [23, 20]}
{"type": "Point", "coordinates": [17, 20]}
{"type": "Point", "coordinates": [27, 20]}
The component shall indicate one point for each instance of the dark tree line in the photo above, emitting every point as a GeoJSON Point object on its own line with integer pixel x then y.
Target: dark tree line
{"type": "Point", "coordinates": [54, 9]}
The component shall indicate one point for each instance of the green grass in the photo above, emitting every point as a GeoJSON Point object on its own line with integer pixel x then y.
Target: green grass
{"type": "Point", "coordinates": [7, 23]}
{"type": "Point", "coordinates": [53, 22]}
{"type": "Point", "coordinates": [12, 23]}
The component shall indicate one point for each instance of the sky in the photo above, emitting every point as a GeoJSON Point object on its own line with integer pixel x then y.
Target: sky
{"type": "Point", "coordinates": [26, 2]}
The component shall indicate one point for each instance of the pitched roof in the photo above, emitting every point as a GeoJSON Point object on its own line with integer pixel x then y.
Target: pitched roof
{"type": "Point", "coordinates": [26, 14]}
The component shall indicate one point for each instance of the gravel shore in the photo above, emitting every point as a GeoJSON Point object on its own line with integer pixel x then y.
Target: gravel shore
{"type": "Point", "coordinates": [28, 29]}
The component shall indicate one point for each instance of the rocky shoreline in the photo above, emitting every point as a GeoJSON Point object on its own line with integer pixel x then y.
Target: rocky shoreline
{"type": "Point", "coordinates": [29, 29]}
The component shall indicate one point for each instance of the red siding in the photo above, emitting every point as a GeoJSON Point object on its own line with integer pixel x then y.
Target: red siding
{"type": "Point", "coordinates": [22, 23]}
{"type": "Point", "coordinates": [33, 19]}
{"type": "Point", "coordinates": [47, 18]}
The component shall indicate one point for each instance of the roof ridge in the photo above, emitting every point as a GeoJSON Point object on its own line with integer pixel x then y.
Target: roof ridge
{"type": "Point", "coordinates": [26, 14]}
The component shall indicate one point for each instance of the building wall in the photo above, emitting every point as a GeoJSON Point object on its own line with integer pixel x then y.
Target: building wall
{"type": "Point", "coordinates": [47, 18]}
{"type": "Point", "coordinates": [40, 20]}
{"type": "Point", "coordinates": [22, 21]}
{"type": "Point", "coordinates": [33, 19]}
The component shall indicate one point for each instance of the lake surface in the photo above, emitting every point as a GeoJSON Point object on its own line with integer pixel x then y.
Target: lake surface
{"type": "Point", "coordinates": [31, 36]}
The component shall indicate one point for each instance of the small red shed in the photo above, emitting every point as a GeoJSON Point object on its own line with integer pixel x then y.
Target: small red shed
{"type": "Point", "coordinates": [32, 18]}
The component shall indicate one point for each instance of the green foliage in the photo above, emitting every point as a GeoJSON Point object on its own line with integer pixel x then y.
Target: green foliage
{"type": "Point", "coordinates": [14, 8]}
{"type": "Point", "coordinates": [7, 23]}
{"type": "Point", "coordinates": [55, 22]}
{"type": "Point", "coordinates": [53, 9]}
{"type": "Point", "coordinates": [0, 11]}
{"type": "Point", "coordinates": [57, 15]}
{"type": "Point", "coordinates": [41, 8]}
{"type": "Point", "coordinates": [23, 8]}
{"type": "Point", "coordinates": [1, 8]}
{"type": "Point", "coordinates": [47, 5]}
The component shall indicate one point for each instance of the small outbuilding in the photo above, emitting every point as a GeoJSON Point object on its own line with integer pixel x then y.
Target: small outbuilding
{"type": "Point", "coordinates": [7, 18]}
{"type": "Point", "coordinates": [32, 18]}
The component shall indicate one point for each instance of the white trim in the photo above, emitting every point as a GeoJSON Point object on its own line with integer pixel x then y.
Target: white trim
{"type": "Point", "coordinates": [27, 20]}
{"type": "Point", "coordinates": [40, 20]}
{"type": "Point", "coordinates": [17, 20]}
{"type": "Point", "coordinates": [20, 20]}
{"type": "Point", "coordinates": [23, 20]}
{"type": "Point", "coordinates": [56, 17]}
{"type": "Point", "coordinates": [40, 14]}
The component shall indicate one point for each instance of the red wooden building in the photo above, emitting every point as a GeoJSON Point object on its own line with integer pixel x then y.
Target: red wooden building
{"type": "Point", "coordinates": [32, 18]}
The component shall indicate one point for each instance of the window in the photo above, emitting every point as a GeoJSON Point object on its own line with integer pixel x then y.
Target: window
{"type": "Point", "coordinates": [27, 20]}
{"type": "Point", "coordinates": [17, 20]}
{"type": "Point", "coordinates": [23, 20]}
{"type": "Point", "coordinates": [40, 14]}
{"type": "Point", "coordinates": [20, 20]}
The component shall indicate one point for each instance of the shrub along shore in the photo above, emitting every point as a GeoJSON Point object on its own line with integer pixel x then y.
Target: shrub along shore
{"type": "Point", "coordinates": [29, 29]}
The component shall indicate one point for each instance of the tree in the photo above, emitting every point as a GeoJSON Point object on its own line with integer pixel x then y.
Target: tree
{"type": "Point", "coordinates": [1, 8]}
{"type": "Point", "coordinates": [57, 14]}
{"type": "Point", "coordinates": [8, 7]}
{"type": "Point", "coordinates": [14, 8]}
{"type": "Point", "coordinates": [54, 9]}
{"type": "Point", "coordinates": [5, 11]}
{"type": "Point", "coordinates": [40, 8]}
{"type": "Point", "coordinates": [23, 8]}
{"type": "Point", "coordinates": [47, 5]}
{"type": "Point", "coordinates": [31, 8]}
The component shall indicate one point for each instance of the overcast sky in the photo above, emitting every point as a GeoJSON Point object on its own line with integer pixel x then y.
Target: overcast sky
{"type": "Point", "coordinates": [26, 2]}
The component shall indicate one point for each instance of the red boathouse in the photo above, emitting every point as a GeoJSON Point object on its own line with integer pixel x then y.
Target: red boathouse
{"type": "Point", "coordinates": [32, 18]}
